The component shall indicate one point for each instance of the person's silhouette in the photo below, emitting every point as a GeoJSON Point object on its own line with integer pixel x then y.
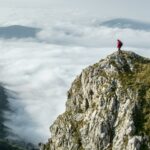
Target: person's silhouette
{"type": "Point", "coordinates": [119, 45]}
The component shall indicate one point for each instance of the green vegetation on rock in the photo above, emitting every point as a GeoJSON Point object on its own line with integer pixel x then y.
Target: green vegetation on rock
{"type": "Point", "coordinates": [108, 107]}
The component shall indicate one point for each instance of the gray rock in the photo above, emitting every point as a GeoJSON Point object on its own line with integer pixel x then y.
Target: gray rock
{"type": "Point", "coordinates": [107, 107]}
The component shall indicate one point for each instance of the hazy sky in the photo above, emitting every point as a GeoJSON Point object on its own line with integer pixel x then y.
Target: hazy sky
{"type": "Point", "coordinates": [136, 9]}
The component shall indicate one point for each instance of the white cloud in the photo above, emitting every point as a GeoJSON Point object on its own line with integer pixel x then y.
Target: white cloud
{"type": "Point", "coordinates": [40, 71]}
{"type": "Point", "coordinates": [40, 75]}
{"type": "Point", "coordinates": [89, 35]}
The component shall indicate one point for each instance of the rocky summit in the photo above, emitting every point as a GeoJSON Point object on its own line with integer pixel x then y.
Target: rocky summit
{"type": "Point", "coordinates": [108, 107]}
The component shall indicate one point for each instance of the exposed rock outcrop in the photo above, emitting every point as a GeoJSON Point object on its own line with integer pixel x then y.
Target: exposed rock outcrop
{"type": "Point", "coordinates": [107, 107]}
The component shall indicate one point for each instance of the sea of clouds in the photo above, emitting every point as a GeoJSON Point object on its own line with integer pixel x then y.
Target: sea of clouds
{"type": "Point", "coordinates": [37, 72]}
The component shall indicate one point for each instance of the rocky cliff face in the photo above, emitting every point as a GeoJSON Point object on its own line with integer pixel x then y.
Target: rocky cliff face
{"type": "Point", "coordinates": [107, 107]}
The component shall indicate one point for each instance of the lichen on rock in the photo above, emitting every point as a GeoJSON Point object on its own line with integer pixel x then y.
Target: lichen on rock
{"type": "Point", "coordinates": [107, 107]}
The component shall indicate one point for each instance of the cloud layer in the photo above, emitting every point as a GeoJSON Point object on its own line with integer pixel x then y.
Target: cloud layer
{"type": "Point", "coordinates": [37, 72]}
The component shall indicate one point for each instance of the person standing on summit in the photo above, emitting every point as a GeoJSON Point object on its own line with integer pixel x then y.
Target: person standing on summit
{"type": "Point", "coordinates": [119, 45]}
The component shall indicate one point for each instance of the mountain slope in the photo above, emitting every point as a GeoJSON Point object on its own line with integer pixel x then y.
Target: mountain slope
{"type": "Point", "coordinates": [107, 107]}
{"type": "Point", "coordinates": [5, 144]}
{"type": "Point", "coordinates": [4, 106]}
{"type": "Point", "coordinates": [126, 23]}
{"type": "Point", "coordinates": [17, 31]}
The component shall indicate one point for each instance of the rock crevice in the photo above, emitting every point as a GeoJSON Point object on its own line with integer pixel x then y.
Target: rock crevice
{"type": "Point", "coordinates": [107, 107]}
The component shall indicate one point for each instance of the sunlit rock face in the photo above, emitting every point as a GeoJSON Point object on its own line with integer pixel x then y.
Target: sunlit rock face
{"type": "Point", "coordinates": [107, 107]}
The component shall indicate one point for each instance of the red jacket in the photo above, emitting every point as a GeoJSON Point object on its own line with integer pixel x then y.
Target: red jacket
{"type": "Point", "coordinates": [119, 44]}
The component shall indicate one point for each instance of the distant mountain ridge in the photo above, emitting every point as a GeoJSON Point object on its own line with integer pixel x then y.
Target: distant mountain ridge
{"type": "Point", "coordinates": [126, 23]}
{"type": "Point", "coordinates": [18, 31]}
